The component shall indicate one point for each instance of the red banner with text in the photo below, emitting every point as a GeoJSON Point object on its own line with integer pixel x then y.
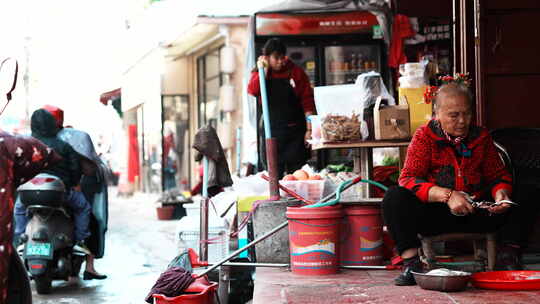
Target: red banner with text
{"type": "Point", "coordinates": [269, 24]}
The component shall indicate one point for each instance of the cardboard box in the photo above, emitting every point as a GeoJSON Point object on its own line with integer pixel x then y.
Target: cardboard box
{"type": "Point", "coordinates": [391, 122]}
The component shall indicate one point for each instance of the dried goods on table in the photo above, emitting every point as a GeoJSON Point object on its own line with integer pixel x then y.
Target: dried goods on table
{"type": "Point", "coordinates": [341, 128]}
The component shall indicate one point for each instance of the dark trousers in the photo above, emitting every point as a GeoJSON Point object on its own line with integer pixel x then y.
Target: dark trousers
{"type": "Point", "coordinates": [406, 217]}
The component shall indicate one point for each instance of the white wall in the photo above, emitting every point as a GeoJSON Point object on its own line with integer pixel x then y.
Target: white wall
{"type": "Point", "coordinates": [142, 82]}
{"type": "Point", "coordinates": [175, 77]}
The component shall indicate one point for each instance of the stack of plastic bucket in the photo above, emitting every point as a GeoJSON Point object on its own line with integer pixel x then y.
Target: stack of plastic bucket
{"type": "Point", "coordinates": [362, 236]}
{"type": "Point", "coordinates": [314, 239]}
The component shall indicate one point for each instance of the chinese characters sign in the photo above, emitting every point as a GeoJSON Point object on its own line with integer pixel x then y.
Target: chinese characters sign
{"type": "Point", "coordinates": [314, 24]}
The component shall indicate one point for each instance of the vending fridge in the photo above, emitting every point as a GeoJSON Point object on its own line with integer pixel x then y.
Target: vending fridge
{"type": "Point", "coordinates": [332, 47]}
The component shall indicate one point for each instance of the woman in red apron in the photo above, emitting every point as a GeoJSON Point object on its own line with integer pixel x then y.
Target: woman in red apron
{"type": "Point", "coordinates": [290, 102]}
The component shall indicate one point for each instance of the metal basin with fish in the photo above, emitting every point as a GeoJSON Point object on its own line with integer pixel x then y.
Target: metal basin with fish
{"type": "Point", "coordinates": [447, 282]}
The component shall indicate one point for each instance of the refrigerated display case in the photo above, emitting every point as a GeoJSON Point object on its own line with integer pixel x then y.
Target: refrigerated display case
{"type": "Point", "coordinates": [344, 63]}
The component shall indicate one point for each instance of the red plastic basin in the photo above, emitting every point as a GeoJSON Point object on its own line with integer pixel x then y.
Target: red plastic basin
{"type": "Point", "coordinates": [201, 291]}
{"type": "Point", "coordinates": [507, 280]}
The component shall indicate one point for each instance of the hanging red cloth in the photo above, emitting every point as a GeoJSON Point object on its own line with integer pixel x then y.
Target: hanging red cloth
{"type": "Point", "coordinates": [168, 144]}
{"type": "Point", "coordinates": [133, 154]}
{"type": "Point", "coordinates": [401, 29]}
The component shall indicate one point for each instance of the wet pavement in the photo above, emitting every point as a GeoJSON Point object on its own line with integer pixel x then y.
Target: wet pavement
{"type": "Point", "coordinates": [138, 249]}
{"type": "Point", "coordinates": [367, 286]}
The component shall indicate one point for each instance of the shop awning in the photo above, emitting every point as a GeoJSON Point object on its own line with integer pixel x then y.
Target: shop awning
{"type": "Point", "coordinates": [204, 32]}
{"type": "Point", "coordinates": [191, 38]}
{"type": "Point", "coordinates": [107, 97]}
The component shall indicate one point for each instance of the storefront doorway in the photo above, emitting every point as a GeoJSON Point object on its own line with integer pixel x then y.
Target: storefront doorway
{"type": "Point", "coordinates": [175, 142]}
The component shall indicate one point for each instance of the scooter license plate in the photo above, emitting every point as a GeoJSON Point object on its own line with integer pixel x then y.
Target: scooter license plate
{"type": "Point", "coordinates": [39, 249]}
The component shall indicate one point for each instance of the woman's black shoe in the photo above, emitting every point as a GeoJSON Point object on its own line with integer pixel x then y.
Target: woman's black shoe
{"type": "Point", "coordinates": [91, 276]}
{"type": "Point", "coordinates": [406, 278]}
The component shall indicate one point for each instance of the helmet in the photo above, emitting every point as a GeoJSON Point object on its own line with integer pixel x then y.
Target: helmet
{"type": "Point", "coordinates": [57, 113]}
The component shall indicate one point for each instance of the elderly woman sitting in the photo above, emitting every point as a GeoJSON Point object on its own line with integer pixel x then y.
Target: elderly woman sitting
{"type": "Point", "coordinates": [450, 163]}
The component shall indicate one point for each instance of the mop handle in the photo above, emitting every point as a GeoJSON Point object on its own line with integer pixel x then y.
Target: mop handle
{"type": "Point", "coordinates": [203, 234]}
{"type": "Point", "coordinates": [205, 177]}
{"type": "Point", "coordinates": [264, 98]}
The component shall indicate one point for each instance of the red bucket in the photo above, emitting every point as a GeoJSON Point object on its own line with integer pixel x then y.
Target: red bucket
{"type": "Point", "coordinates": [201, 291]}
{"type": "Point", "coordinates": [314, 239]}
{"type": "Point", "coordinates": [362, 243]}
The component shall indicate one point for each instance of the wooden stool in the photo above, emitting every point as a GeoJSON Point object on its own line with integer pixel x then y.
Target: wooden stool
{"type": "Point", "coordinates": [477, 238]}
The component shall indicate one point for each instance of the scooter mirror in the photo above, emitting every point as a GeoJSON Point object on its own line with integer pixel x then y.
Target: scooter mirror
{"type": "Point", "coordinates": [8, 79]}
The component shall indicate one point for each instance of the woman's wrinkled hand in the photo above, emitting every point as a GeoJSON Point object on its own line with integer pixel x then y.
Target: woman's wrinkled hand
{"type": "Point", "coordinates": [459, 205]}
{"type": "Point", "coordinates": [500, 195]}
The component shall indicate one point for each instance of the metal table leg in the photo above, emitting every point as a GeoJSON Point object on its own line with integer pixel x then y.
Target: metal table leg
{"type": "Point", "coordinates": [366, 170]}
{"type": "Point", "coordinates": [357, 161]}
{"type": "Point", "coordinates": [363, 165]}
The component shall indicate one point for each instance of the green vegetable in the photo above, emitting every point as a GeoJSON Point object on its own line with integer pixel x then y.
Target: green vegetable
{"type": "Point", "coordinates": [338, 168]}
{"type": "Point", "coordinates": [390, 161]}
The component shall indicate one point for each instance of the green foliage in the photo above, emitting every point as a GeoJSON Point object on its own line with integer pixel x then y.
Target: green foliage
{"type": "Point", "coordinates": [390, 161]}
{"type": "Point", "coordinates": [338, 168]}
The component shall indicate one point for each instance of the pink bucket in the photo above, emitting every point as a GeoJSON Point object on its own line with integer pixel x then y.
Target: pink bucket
{"type": "Point", "coordinates": [314, 239]}
{"type": "Point", "coordinates": [362, 241]}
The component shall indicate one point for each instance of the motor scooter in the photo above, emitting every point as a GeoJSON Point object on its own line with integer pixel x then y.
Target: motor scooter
{"type": "Point", "coordinates": [48, 248]}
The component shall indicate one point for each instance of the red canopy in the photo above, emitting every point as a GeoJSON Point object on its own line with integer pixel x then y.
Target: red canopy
{"type": "Point", "coordinates": [107, 96]}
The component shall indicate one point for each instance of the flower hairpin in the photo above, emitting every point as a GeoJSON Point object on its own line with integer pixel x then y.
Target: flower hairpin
{"type": "Point", "coordinates": [459, 78]}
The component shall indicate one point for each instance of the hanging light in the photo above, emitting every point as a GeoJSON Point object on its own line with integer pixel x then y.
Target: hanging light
{"type": "Point", "coordinates": [228, 59]}
{"type": "Point", "coordinates": [226, 98]}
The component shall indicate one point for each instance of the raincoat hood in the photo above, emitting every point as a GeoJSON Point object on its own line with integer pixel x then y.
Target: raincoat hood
{"type": "Point", "coordinates": [81, 142]}
{"type": "Point", "coordinates": [43, 124]}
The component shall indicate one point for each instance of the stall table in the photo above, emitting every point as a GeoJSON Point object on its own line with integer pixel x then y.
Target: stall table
{"type": "Point", "coordinates": [363, 157]}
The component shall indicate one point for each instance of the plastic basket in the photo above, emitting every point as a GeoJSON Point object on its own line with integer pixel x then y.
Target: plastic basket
{"type": "Point", "coordinates": [308, 189]}
{"type": "Point", "coordinates": [352, 194]}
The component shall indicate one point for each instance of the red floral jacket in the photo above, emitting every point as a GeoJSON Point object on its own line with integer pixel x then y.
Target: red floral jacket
{"type": "Point", "coordinates": [433, 160]}
{"type": "Point", "coordinates": [21, 158]}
